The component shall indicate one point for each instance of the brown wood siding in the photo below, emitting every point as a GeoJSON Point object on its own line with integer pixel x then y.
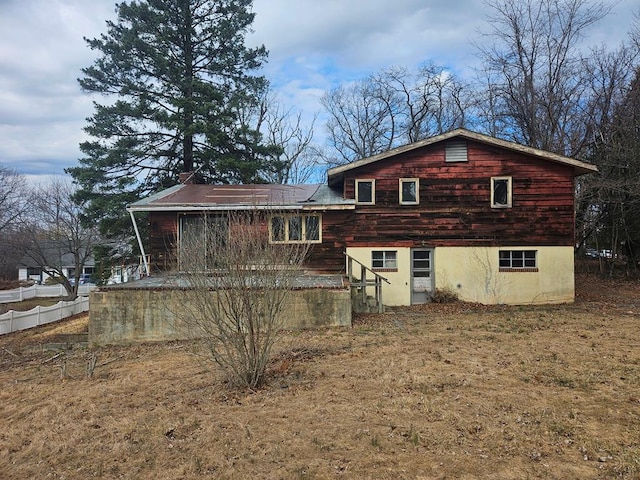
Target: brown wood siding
{"type": "Point", "coordinates": [163, 234]}
{"type": "Point", "coordinates": [327, 256]}
{"type": "Point", "coordinates": [454, 208]}
{"type": "Point", "coordinates": [455, 198]}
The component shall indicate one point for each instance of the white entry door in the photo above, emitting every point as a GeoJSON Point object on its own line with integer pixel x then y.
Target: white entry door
{"type": "Point", "coordinates": [421, 275]}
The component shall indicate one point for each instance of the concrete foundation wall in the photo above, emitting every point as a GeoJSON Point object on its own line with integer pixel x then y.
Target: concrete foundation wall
{"type": "Point", "coordinates": [125, 316]}
{"type": "Point", "coordinates": [474, 275]}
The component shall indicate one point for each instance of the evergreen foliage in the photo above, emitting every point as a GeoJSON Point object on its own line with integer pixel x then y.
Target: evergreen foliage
{"type": "Point", "coordinates": [175, 76]}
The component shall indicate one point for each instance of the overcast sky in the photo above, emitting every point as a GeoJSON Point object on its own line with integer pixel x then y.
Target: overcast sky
{"type": "Point", "coordinates": [313, 45]}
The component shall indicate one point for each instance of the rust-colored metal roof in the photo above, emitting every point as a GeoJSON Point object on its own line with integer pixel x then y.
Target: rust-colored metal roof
{"type": "Point", "coordinates": [239, 194]}
{"type": "Point", "coordinates": [190, 196]}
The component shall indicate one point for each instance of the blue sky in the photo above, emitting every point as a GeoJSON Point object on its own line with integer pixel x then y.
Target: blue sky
{"type": "Point", "coordinates": [313, 46]}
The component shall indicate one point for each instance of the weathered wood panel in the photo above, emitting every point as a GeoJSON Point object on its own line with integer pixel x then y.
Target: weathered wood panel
{"type": "Point", "coordinates": [455, 208]}
{"type": "Point", "coordinates": [163, 234]}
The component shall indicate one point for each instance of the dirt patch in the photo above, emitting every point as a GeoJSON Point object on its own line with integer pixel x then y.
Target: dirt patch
{"type": "Point", "coordinates": [439, 391]}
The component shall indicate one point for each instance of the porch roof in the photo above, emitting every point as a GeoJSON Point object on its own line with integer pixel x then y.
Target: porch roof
{"type": "Point", "coordinates": [196, 197]}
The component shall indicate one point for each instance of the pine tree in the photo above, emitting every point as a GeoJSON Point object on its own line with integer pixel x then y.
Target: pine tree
{"type": "Point", "coordinates": [176, 75]}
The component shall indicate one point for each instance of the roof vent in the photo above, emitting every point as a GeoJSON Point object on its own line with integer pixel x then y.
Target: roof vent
{"type": "Point", "coordinates": [456, 151]}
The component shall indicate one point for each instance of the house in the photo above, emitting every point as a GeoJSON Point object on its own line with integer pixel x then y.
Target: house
{"type": "Point", "coordinates": [30, 270]}
{"type": "Point", "coordinates": [489, 220]}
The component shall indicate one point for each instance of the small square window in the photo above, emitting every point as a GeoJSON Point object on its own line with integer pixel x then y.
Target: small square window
{"type": "Point", "coordinates": [409, 191]}
{"type": "Point", "coordinates": [501, 192]}
{"type": "Point", "coordinates": [365, 192]}
{"type": "Point", "coordinates": [384, 259]}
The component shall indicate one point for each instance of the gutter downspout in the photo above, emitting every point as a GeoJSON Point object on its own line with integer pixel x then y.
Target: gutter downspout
{"type": "Point", "coordinates": [144, 255]}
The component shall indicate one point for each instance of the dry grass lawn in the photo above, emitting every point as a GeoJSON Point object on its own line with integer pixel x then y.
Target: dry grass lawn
{"type": "Point", "coordinates": [452, 391]}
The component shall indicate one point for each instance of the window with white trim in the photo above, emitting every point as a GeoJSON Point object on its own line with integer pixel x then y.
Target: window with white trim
{"type": "Point", "coordinates": [501, 192]}
{"type": "Point", "coordinates": [295, 228]}
{"type": "Point", "coordinates": [409, 191]}
{"type": "Point", "coordinates": [384, 259]}
{"type": "Point", "coordinates": [525, 260]}
{"type": "Point", "coordinates": [366, 192]}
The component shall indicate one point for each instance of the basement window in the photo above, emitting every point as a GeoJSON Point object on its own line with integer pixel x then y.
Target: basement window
{"type": "Point", "coordinates": [518, 260]}
{"type": "Point", "coordinates": [384, 260]}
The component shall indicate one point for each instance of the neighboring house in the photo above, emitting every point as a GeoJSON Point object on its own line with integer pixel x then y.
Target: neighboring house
{"type": "Point", "coordinates": [29, 270]}
{"type": "Point", "coordinates": [125, 273]}
{"type": "Point", "coordinates": [489, 220]}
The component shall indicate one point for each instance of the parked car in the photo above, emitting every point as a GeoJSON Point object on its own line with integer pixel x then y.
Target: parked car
{"type": "Point", "coordinates": [591, 253]}
{"type": "Point", "coordinates": [84, 279]}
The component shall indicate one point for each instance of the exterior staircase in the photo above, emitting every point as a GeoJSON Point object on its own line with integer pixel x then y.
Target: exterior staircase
{"type": "Point", "coordinates": [363, 281]}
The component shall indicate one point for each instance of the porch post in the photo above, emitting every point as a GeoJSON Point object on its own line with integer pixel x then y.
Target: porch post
{"type": "Point", "coordinates": [144, 255]}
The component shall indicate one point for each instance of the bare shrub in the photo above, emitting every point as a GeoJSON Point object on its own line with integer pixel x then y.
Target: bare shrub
{"type": "Point", "coordinates": [444, 295]}
{"type": "Point", "coordinates": [232, 285]}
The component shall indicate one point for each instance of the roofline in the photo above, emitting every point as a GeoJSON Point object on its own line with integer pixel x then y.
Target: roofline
{"type": "Point", "coordinates": [156, 196]}
{"type": "Point", "coordinates": [580, 167]}
{"type": "Point", "coordinates": [226, 208]}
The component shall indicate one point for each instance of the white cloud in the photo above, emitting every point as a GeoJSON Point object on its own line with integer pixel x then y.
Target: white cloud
{"type": "Point", "coordinates": [314, 45]}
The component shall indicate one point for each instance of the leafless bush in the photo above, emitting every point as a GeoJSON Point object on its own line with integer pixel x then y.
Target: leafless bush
{"type": "Point", "coordinates": [444, 295]}
{"type": "Point", "coordinates": [232, 284]}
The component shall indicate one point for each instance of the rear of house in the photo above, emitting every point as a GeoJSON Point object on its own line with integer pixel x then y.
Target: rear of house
{"type": "Point", "coordinates": [488, 220]}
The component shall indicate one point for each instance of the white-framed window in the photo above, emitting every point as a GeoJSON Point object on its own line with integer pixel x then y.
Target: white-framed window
{"type": "Point", "coordinates": [384, 259]}
{"type": "Point", "coordinates": [409, 191]}
{"type": "Point", "coordinates": [366, 192]}
{"type": "Point", "coordinates": [501, 192]}
{"type": "Point", "coordinates": [455, 151]}
{"type": "Point", "coordinates": [295, 228]}
{"type": "Point", "coordinates": [518, 260]}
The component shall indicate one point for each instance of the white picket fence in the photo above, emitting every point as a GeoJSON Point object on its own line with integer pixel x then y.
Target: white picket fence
{"type": "Point", "coordinates": [12, 321]}
{"type": "Point", "coordinates": [25, 293]}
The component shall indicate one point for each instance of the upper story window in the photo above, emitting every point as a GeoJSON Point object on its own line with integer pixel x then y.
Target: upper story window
{"type": "Point", "coordinates": [295, 229]}
{"type": "Point", "coordinates": [409, 191]}
{"type": "Point", "coordinates": [386, 259]}
{"type": "Point", "coordinates": [366, 192]}
{"type": "Point", "coordinates": [501, 192]}
{"type": "Point", "coordinates": [455, 151]}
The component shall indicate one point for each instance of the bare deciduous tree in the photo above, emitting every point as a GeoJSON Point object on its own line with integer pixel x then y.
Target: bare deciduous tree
{"type": "Point", "coordinates": [233, 283]}
{"type": "Point", "coordinates": [13, 204]}
{"type": "Point", "coordinates": [12, 197]}
{"type": "Point", "coordinates": [291, 152]}
{"type": "Point", "coordinates": [361, 120]}
{"type": "Point", "coordinates": [611, 201]}
{"type": "Point", "coordinates": [534, 72]}
{"type": "Point", "coordinates": [393, 107]}
{"type": "Point", "coordinates": [57, 234]}
{"type": "Point", "coordinates": [429, 101]}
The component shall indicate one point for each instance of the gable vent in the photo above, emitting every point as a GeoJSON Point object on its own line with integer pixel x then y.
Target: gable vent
{"type": "Point", "coordinates": [456, 151]}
